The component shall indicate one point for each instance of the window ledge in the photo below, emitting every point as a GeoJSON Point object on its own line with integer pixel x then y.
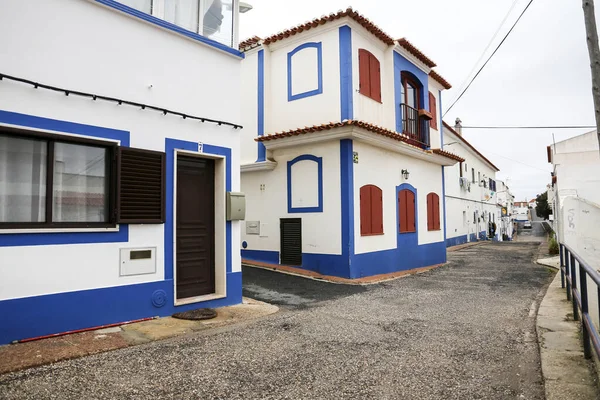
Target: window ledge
{"type": "Point", "coordinates": [58, 230]}
{"type": "Point", "coordinates": [169, 26]}
{"type": "Point", "coordinates": [369, 97]}
{"type": "Point", "coordinates": [371, 234]}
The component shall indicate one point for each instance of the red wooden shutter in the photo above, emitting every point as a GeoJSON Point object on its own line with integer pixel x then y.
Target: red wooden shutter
{"type": "Point", "coordinates": [430, 216]}
{"type": "Point", "coordinates": [411, 223]}
{"type": "Point", "coordinates": [433, 111]}
{"type": "Point", "coordinates": [402, 211]}
{"type": "Point", "coordinates": [365, 210]}
{"type": "Point", "coordinates": [375, 76]}
{"type": "Point", "coordinates": [363, 72]}
{"type": "Point", "coordinates": [436, 212]}
{"type": "Point", "coordinates": [376, 210]}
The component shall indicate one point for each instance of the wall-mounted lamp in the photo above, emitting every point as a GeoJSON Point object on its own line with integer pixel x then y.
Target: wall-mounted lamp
{"type": "Point", "coordinates": [405, 173]}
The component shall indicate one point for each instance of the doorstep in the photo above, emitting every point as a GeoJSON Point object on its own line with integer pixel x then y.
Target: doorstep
{"type": "Point", "coordinates": [367, 280]}
{"type": "Point", "coordinates": [20, 356]}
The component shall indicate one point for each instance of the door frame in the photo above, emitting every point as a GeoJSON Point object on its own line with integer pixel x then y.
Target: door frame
{"type": "Point", "coordinates": [220, 249]}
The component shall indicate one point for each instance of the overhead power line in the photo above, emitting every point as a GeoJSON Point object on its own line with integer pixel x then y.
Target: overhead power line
{"type": "Point", "coordinates": [489, 58]}
{"type": "Point", "coordinates": [533, 127]}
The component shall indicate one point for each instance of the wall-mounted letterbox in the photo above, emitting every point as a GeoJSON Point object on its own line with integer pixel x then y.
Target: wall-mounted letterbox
{"type": "Point", "coordinates": [236, 206]}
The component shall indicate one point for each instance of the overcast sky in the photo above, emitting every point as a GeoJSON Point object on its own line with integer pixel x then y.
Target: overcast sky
{"type": "Point", "coordinates": [540, 75]}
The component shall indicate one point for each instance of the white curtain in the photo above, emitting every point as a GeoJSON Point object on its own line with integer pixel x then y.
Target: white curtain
{"type": "Point", "coordinates": [79, 185]}
{"type": "Point", "coordinates": [142, 5]}
{"type": "Point", "coordinates": [22, 179]}
{"type": "Point", "coordinates": [183, 13]}
{"type": "Point", "coordinates": [217, 22]}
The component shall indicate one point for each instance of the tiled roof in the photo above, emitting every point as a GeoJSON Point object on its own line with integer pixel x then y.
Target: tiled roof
{"type": "Point", "coordinates": [349, 12]}
{"type": "Point", "coordinates": [438, 78]}
{"type": "Point", "coordinates": [361, 124]}
{"type": "Point", "coordinates": [250, 42]}
{"type": "Point", "coordinates": [416, 52]}
{"type": "Point", "coordinates": [460, 137]}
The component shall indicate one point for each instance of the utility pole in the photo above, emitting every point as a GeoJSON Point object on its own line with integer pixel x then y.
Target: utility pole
{"type": "Point", "coordinates": [591, 32]}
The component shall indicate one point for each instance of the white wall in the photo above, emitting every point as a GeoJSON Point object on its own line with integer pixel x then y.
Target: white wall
{"type": "Point", "coordinates": [249, 109]}
{"type": "Point", "coordinates": [90, 48]}
{"type": "Point", "coordinates": [321, 231]}
{"type": "Point", "coordinates": [424, 176]}
{"type": "Point", "coordinates": [459, 200]}
{"type": "Point", "coordinates": [282, 114]}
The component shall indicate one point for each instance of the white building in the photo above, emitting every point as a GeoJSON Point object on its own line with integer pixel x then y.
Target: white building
{"type": "Point", "coordinates": [341, 158]}
{"type": "Point", "coordinates": [506, 201]}
{"type": "Point", "coordinates": [471, 200]}
{"type": "Point", "coordinates": [110, 210]}
{"type": "Point", "coordinates": [522, 211]}
{"type": "Point", "coordinates": [576, 194]}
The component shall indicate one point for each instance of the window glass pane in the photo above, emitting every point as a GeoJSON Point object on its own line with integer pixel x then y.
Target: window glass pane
{"type": "Point", "coordinates": [411, 95]}
{"type": "Point", "coordinates": [183, 13]}
{"type": "Point", "coordinates": [80, 185]}
{"type": "Point", "coordinates": [22, 179]}
{"type": "Point", "coordinates": [142, 5]}
{"type": "Point", "coordinates": [217, 22]}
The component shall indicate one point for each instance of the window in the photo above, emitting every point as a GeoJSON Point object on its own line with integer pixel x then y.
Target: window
{"type": "Point", "coordinates": [433, 212]}
{"type": "Point", "coordinates": [433, 111]}
{"type": "Point", "coordinates": [406, 211]}
{"type": "Point", "coordinates": [369, 75]}
{"type": "Point", "coordinates": [371, 210]}
{"type": "Point", "coordinates": [479, 178]}
{"type": "Point", "coordinates": [491, 184]}
{"type": "Point", "coordinates": [210, 18]}
{"type": "Point", "coordinates": [52, 181]}
{"type": "Point", "coordinates": [460, 168]}
{"type": "Point", "coordinates": [473, 175]}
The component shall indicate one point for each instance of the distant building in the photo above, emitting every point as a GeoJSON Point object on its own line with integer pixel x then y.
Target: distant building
{"type": "Point", "coordinates": [506, 202]}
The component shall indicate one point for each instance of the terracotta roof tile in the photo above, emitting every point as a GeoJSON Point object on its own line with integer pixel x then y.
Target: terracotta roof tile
{"type": "Point", "coordinates": [349, 12]}
{"type": "Point", "coordinates": [361, 124]}
{"type": "Point", "coordinates": [416, 52]}
{"type": "Point", "coordinates": [250, 42]}
{"type": "Point", "coordinates": [438, 78]}
{"type": "Point", "coordinates": [461, 138]}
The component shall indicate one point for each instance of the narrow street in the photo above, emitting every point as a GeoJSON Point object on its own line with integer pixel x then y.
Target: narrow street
{"type": "Point", "coordinates": [462, 331]}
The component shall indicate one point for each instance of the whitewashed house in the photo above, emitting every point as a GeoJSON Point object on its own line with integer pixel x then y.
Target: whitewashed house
{"type": "Point", "coordinates": [506, 202]}
{"type": "Point", "coordinates": [110, 210]}
{"type": "Point", "coordinates": [471, 199]}
{"type": "Point", "coordinates": [341, 150]}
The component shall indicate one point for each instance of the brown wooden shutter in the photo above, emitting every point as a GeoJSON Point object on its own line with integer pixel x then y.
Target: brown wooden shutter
{"type": "Point", "coordinates": [410, 212]}
{"type": "Point", "coordinates": [365, 210]}
{"type": "Point", "coordinates": [375, 78]}
{"type": "Point", "coordinates": [436, 212]}
{"type": "Point", "coordinates": [363, 72]}
{"type": "Point", "coordinates": [430, 216]}
{"type": "Point", "coordinates": [141, 186]}
{"type": "Point", "coordinates": [376, 210]}
{"type": "Point", "coordinates": [433, 111]}
{"type": "Point", "coordinates": [401, 211]}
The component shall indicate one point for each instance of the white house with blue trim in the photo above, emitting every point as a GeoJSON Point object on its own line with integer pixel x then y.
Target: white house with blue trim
{"type": "Point", "coordinates": [119, 141]}
{"type": "Point", "coordinates": [341, 156]}
{"type": "Point", "coordinates": [472, 204]}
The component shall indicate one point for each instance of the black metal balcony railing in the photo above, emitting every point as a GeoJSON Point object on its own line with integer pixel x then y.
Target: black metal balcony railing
{"type": "Point", "coordinates": [414, 126]}
{"type": "Point", "coordinates": [573, 268]}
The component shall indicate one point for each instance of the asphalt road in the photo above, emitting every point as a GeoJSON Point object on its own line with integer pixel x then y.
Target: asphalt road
{"type": "Point", "coordinates": [462, 331]}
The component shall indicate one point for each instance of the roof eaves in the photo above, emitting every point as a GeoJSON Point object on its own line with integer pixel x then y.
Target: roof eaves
{"type": "Point", "coordinates": [440, 79]}
{"type": "Point", "coordinates": [416, 52]}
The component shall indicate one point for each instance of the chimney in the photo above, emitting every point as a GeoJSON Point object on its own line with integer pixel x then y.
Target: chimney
{"type": "Point", "coordinates": [458, 126]}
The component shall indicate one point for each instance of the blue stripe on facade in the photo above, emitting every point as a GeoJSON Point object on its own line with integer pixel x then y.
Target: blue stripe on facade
{"type": "Point", "coordinates": [401, 64]}
{"type": "Point", "coordinates": [319, 161]}
{"type": "Point", "coordinates": [262, 151]}
{"type": "Point", "coordinates": [170, 146]}
{"type": "Point", "coordinates": [57, 238]}
{"type": "Point", "coordinates": [172, 27]}
{"type": "Point", "coordinates": [43, 315]}
{"type": "Point", "coordinates": [455, 241]}
{"type": "Point", "coordinates": [347, 199]}
{"type": "Point", "coordinates": [319, 88]}
{"type": "Point", "coordinates": [346, 93]}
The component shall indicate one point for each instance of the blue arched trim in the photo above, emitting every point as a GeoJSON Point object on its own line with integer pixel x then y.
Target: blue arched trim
{"type": "Point", "coordinates": [401, 65]}
{"type": "Point", "coordinates": [319, 161]}
{"type": "Point", "coordinates": [319, 89]}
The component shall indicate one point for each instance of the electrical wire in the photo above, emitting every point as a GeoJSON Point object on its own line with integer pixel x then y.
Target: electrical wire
{"type": "Point", "coordinates": [94, 97]}
{"type": "Point", "coordinates": [489, 58]}
{"type": "Point", "coordinates": [533, 127]}
{"type": "Point", "coordinates": [462, 85]}
{"type": "Point", "coordinates": [517, 161]}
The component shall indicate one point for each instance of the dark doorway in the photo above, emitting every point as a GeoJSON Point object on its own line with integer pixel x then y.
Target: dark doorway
{"type": "Point", "coordinates": [291, 241]}
{"type": "Point", "coordinates": [195, 240]}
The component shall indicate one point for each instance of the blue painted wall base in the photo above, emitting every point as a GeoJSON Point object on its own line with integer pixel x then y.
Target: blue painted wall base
{"type": "Point", "coordinates": [56, 313]}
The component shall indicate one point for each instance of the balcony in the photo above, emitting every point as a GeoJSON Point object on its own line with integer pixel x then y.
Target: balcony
{"type": "Point", "coordinates": [415, 125]}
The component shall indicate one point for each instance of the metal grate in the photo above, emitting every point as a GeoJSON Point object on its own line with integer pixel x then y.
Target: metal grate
{"type": "Point", "coordinates": [141, 186]}
{"type": "Point", "coordinates": [291, 241]}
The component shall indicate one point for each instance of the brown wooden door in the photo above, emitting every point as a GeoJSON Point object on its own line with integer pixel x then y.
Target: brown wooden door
{"type": "Point", "coordinates": [406, 211]}
{"type": "Point", "coordinates": [195, 240]}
